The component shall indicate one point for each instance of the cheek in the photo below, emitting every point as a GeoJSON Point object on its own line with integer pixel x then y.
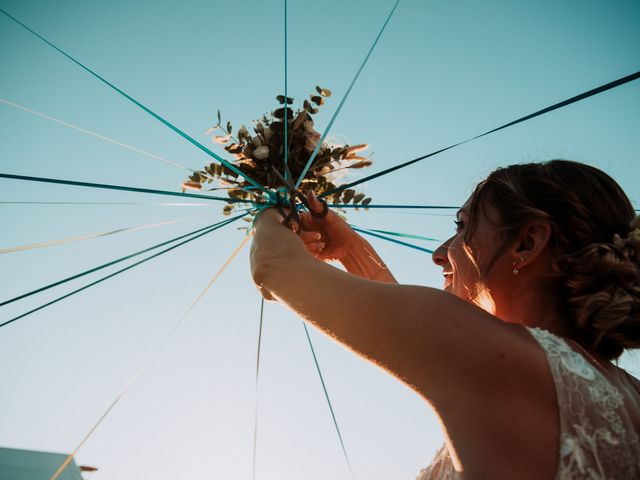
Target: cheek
{"type": "Point", "coordinates": [465, 273]}
{"type": "Point", "coordinates": [457, 256]}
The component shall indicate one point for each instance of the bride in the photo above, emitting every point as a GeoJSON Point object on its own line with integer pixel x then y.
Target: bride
{"type": "Point", "coordinates": [516, 355]}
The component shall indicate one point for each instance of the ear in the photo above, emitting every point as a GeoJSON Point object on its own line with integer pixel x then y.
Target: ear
{"type": "Point", "coordinates": [531, 242]}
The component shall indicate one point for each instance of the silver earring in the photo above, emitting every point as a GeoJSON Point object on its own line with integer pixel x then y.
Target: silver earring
{"type": "Point", "coordinates": [515, 268]}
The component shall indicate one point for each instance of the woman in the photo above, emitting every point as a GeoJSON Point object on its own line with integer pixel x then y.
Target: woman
{"type": "Point", "coordinates": [542, 292]}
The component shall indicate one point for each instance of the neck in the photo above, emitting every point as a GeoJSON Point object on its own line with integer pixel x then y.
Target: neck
{"type": "Point", "coordinates": [534, 305]}
{"type": "Point", "coordinates": [537, 305]}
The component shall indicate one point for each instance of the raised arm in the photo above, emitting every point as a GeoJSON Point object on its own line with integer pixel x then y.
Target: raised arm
{"type": "Point", "coordinates": [331, 239]}
{"type": "Point", "coordinates": [422, 335]}
{"type": "Point", "coordinates": [456, 356]}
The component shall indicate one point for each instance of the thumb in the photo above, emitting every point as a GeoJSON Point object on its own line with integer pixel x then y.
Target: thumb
{"type": "Point", "coordinates": [314, 203]}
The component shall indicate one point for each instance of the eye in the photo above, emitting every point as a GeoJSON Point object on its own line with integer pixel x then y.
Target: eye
{"type": "Point", "coordinates": [459, 224]}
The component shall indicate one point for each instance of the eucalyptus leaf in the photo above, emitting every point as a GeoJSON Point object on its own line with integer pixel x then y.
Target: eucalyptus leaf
{"type": "Point", "coordinates": [358, 197]}
{"type": "Point", "coordinates": [281, 99]}
{"type": "Point", "coordinates": [235, 148]}
{"type": "Point", "coordinates": [362, 164]}
{"type": "Point", "coordinates": [325, 92]}
{"type": "Point", "coordinates": [279, 113]}
{"type": "Point", "coordinates": [259, 155]}
{"type": "Point", "coordinates": [277, 127]}
{"type": "Point", "coordinates": [348, 195]}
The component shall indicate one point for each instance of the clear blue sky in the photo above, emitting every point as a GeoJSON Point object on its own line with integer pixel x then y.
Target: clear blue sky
{"type": "Point", "coordinates": [443, 71]}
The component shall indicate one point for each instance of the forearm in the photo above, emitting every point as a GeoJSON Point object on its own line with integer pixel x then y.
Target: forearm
{"type": "Point", "coordinates": [458, 357]}
{"type": "Point", "coordinates": [362, 260]}
{"type": "Point", "coordinates": [372, 318]}
{"type": "Point", "coordinates": [328, 298]}
{"type": "Point", "coordinates": [423, 336]}
{"type": "Point", "coordinates": [443, 347]}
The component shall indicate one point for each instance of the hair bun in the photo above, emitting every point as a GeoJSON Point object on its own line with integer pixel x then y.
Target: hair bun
{"type": "Point", "coordinates": [630, 244]}
{"type": "Point", "coordinates": [603, 294]}
{"type": "Point", "coordinates": [595, 244]}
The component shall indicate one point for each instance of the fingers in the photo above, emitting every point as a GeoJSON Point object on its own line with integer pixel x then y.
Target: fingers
{"type": "Point", "coordinates": [312, 241]}
{"type": "Point", "coordinates": [309, 237]}
{"type": "Point", "coordinates": [314, 204]}
{"type": "Point", "coordinates": [309, 223]}
{"type": "Point", "coordinates": [315, 247]}
{"type": "Point", "coordinates": [293, 225]}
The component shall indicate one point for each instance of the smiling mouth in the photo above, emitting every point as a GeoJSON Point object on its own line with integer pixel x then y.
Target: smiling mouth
{"type": "Point", "coordinates": [447, 279]}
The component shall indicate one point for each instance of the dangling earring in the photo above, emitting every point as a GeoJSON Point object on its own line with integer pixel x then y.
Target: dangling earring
{"type": "Point", "coordinates": [515, 268]}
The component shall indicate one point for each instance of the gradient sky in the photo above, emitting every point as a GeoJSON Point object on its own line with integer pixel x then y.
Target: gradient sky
{"type": "Point", "coordinates": [442, 72]}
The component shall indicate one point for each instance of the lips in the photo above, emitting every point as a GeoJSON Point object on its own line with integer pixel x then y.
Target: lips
{"type": "Point", "coordinates": [448, 279]}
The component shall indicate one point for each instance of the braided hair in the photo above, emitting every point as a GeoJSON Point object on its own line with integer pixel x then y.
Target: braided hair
{"type": "Point", "coordinates": [595, 244]}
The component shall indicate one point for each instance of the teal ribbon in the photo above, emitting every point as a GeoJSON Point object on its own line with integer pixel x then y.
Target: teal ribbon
{"type": "Point", "coordinates": [426, 207]}
{"type": "Point", "coordinates": [402, 235]}
{"type": "Point", "coordinates": [393, 240]}
{"type": "Point", "coordinates": [134, 101]}
{"type": "Point", "coordinates": [564, 103]}
{"type": "Point", "coordinates": [344, 98]}
{"type": "Point", "coordinates": [326, 396]}
{"type": "Point", "coordinates": [193, 235]}
{"type": "Point", "coordinates": [255, 416]}
{"type": "Point", "coordinates": [119, 187]}
{"type": "Point", "coordinates": [287, 172]}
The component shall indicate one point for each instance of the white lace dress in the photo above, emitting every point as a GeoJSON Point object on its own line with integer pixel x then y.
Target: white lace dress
{"type": "Point", "coordinates": [597, 438]}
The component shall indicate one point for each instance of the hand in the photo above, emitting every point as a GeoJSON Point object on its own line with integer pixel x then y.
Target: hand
{"type": "Point", "coordinates": [269, 235]}
{"type": "Point", "coordinates": [330, 238]}
{"type": "Point", "coordinates": [327, 238]}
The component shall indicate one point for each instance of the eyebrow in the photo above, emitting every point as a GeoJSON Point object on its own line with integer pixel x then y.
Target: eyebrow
{"type": "Point", "coordinates": [462, 210]}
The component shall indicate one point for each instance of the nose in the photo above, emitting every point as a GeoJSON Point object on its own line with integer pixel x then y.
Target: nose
{"type": "Point", "coordinates": [439, 256]}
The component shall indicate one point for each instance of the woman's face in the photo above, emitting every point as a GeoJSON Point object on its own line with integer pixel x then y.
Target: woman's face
{"type": "Point", "coordinates": [462, 262]}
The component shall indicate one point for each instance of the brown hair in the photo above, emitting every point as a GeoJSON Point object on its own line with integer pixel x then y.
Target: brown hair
{"type": "Point", "coordinates": [595, 240]}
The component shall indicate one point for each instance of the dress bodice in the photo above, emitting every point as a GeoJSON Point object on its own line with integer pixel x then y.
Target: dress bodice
{"type": "Point", "coordinates": [598, 440]}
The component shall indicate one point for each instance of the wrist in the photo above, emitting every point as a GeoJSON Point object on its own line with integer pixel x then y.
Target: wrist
{"type": "Point", "coordinates": [362, 260]}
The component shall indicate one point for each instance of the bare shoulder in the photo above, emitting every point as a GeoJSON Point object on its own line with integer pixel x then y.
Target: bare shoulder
{"type": "Point", "coordinates": [499, 407]}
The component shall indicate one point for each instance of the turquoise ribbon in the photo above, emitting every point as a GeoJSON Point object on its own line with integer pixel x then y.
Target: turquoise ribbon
{"type": "Point", "coordinates": [120, 187]}
{"type": "Point", "coordinates": [287, 172]}
{"type": "Point", "coordinates": [393, 240]}
{"type": "Point", "coordinates": [113, 274]}
{"type": "Point", "coordinates": [344, 98]}
{"type": "Point", "coordinates": [402, 235]}
{"type": "Point", "coordinates": [255, 415]}
{"type": "Point", "coordinates": [564, 103]}
{"type": "Point", "coordinates": [194, 234]}
{"type": "Point", "coordinates": [427, 207]}
{"type": "Point", "coordinates": [133, 100]}
{"type": "Point", "coordinates": [326, 395]}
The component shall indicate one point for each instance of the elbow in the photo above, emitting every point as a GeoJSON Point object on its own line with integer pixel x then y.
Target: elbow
{"type": "Point", "coordinates": [261, 268]}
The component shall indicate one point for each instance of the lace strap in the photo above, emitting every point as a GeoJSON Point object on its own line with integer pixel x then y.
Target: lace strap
{"type": "Point", "coordinates": [597, 439]}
